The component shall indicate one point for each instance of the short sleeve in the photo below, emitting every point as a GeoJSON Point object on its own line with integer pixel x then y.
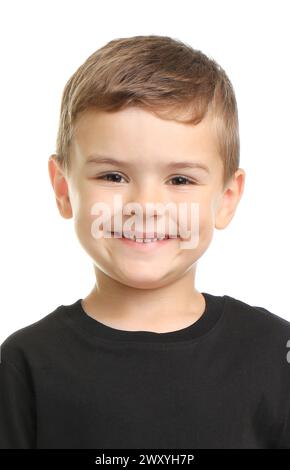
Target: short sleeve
{"type": "Point", "coordinates": [17, 409]}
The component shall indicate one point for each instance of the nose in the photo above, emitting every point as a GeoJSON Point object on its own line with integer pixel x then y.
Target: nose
{"type": "Point", "coordinates": [148, 204]}
{"type": "Point", "coordinates": [148, 194]}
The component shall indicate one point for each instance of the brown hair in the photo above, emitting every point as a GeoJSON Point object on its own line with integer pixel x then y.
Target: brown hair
{"type": "Point", "coordinates": [159, 74]}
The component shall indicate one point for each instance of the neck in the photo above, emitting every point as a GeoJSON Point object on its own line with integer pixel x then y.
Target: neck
{"type": "Point", "coordinates": [166, 308]}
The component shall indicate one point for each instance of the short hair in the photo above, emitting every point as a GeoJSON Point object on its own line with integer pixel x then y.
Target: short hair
{"type": "Point", "coordinates": [157, 73]}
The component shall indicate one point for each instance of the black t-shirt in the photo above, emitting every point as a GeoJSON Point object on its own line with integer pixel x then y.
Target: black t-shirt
{"type": "Point", "coordinates": [68, 381]}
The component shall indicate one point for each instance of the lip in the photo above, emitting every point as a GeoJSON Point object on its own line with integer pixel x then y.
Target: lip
{"type": "Point", "coordinates": [145, 246]}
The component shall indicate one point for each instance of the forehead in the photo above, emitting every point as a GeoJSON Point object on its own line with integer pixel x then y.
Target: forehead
{"type": "Point", "coordinates": [135, 134]}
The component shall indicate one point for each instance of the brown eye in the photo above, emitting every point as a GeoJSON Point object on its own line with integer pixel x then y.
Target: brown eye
{"type": "Point", "coordinates": [111, 177]}
{"type": "Point", "coordinates": [181, 180]}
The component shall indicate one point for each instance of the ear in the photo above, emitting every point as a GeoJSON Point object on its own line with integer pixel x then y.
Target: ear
{"type": "Point", "coordinates": [60, 188]}
{"type": "Point", "coordinates": [229, 199]}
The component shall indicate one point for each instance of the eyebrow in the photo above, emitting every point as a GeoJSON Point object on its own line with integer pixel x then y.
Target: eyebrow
{"type": "Point", "coordinates": [173, 165]}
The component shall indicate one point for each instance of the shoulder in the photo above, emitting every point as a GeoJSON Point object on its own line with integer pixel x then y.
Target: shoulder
{"type": "Point", "coordinates": [254, 313]}
{"type": "Point", "coordinates": [256, 323]}
{"type": "Point", "coordinates": [33, 338]}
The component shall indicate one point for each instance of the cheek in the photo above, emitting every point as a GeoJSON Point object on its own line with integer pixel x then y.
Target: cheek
{"type": "Point", "coordinates": [91, 202]}
{"type": "Point", "coordinates": [93, 208]}
{"type": "Point", "coordinates": [206, 228]}
{"type": "Point", "coordinates": [199, 223]}
{"type": "Point", "coordinates": [195, 214]}
{"type": "Point", "coordinates": [206, 225]}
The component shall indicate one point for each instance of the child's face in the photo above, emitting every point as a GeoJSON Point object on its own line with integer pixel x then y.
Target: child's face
{"type": "Point", "coordinates": [146, 145]}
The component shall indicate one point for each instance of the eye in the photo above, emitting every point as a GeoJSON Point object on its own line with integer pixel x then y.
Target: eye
{"type": "Point", "coordinates": [182, 180]}
{"type": "Point", "coordinates": [111, 177]}
{"type": "Point", "coordinates": [115, 178]}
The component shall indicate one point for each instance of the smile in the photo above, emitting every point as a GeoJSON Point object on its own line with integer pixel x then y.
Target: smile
{"type": "Point", "coordinates": [144, 243]}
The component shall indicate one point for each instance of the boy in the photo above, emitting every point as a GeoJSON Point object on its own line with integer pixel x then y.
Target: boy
{"type": "Point", "coordinates": [145, 360]}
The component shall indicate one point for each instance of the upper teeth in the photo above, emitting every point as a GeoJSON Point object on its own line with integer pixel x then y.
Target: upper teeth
{"type": "Point", "coordinates": [142, 240]}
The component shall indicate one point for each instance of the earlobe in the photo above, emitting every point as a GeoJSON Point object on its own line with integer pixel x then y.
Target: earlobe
{"type": "Point", "coordinates": [224, 214]}
{"type": "Point", "coordinates": [229, 200]}
{"type": "Point", "coordinates": [60, 188]}
{"type": "Point", "coordinates": [223, 218]}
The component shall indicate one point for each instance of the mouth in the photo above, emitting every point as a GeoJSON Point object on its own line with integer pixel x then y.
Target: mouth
{"type": "Point", "coordinates": [143, 238]}
{"type": "Point", "coordinates": [145, 241]}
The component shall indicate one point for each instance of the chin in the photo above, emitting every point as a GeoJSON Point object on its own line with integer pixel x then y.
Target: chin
{"type": "Point", "coordinates": [141, 281]}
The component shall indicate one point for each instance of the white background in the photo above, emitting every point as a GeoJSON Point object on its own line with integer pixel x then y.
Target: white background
{"type": "Point", "coordinates": [42, 44]}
